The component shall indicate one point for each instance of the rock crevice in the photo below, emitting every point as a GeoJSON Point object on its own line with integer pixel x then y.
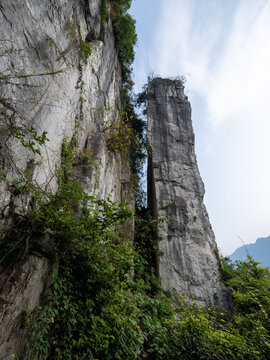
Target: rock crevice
{"type": "Point", "coordinates": [56, 76]}
{"type": "Point", "coordinates": [187, 259]}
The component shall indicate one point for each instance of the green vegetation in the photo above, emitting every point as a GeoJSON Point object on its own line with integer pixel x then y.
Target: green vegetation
{"type": "Point", "coordinates": [97, 310]}
{"type": "Point", "coordinates": [118, 134]}
{"type": "Point", "coordinates": [70, 28]}
{"type": "Point", "coordinates": [35, 138]}
{"type": "Point", "coordinates": [106, 302]}
{"type": "Point", "coordinates": [85, 50]}
{"type": "Point", "coordinates": [103, 11]}
{"type": "Point", "coordinates": [125, 32]}
{"type": "Point", "coordinates": [121, 137]}
{"type": "Point", "coordinates": [249, 282]}
{"type": "Point", "coordinates": [137, 149]}
{"type": "Point", "coordinates": [127, 134]}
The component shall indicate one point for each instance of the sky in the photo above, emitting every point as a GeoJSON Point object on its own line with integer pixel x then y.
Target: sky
{"type": "Point", "coordinates": [222, 47]}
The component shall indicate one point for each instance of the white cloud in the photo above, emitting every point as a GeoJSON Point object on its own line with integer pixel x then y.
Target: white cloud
{"type": "Point", "coordinates": [183, 46]}
{"type": "Point", "coordinates": [240, 83]}
{"type": "Point", "coordinates": [224, 49]}
{"type": "Point", "coordinates": [232, 77]}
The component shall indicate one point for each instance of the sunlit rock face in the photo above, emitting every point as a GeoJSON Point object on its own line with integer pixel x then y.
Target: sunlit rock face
{"type": "Point", "coordinates": [53, 85]}
{"type": "Point", "coordinates": [187, 259]}
{"type": "Point", "coordinates": [49, 82]}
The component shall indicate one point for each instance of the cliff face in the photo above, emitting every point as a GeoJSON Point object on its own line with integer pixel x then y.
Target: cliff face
{"type": "Point", "coordinates": [187, 260]}
{"type": "Point", "coordinates": [60, 81]}
{"type": "Point", "coordinates": [59, 73]}
{"type": "Point", "coordinates": [38, 40]}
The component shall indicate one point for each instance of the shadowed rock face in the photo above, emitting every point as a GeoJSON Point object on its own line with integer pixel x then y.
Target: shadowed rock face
{"type": "Point", "coordinates": [187, 260]}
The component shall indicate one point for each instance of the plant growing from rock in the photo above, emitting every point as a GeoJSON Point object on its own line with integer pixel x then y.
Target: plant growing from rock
{"type": "Point", "coordinates": [118, 134]}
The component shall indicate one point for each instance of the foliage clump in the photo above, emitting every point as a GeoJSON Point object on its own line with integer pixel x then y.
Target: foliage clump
{"type": "Point", "coordinates": [118, 134]}
{"type": "Point", "coordinates": [85, 50]}
{"type": "Point", "coordinates": [121, 137]}
{"type": "Point", "coordinates": [127, 134]}
{"type": "Point", "coordinates": [125, 32]}
{"type": "Point", "coordinates": [124, 29]}
{"type": "Point", "coordinates": [106, 302]}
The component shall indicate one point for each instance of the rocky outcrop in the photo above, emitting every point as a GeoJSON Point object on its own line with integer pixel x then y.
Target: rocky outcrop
{"type": "Point", "coordinates": [60, 80]}
{"type": "Point", "coordinates": [187, 259]}
{"type": "Point", "coordinates": [60, 76]}
{"type": "Point", "coordinates": [50, 81]}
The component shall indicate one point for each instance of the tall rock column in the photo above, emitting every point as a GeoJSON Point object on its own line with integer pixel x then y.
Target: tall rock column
{"type": "Point", "coordinates": [187, 258]}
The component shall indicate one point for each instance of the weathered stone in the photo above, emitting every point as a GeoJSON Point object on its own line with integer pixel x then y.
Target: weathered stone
{"type": "Point", "coordinates": [47, 82]}
{"type": "Point", "coordinates": [42, 38]}
{"type": "Point", "coordinates": [21, 290]}
{"type": "Point", "coordinates": [187, 259]}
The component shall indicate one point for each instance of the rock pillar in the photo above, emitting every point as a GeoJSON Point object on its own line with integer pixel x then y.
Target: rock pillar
{"type": "Point", "coordinates": [187, 258]}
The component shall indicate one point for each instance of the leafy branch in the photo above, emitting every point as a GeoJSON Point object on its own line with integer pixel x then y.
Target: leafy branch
{"type": "Point", "coordinates": [36, 138]}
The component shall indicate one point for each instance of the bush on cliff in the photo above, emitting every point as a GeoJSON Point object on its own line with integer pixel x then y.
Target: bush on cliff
{"type": "Point", "coordinates": [124, 29]}
{"type": "Point", "coordinates": [106, 303]}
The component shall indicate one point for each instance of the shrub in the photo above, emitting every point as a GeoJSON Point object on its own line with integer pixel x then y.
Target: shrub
{"type": "Point", "coordinates": [98, 310]}
{"type": "Point", "coordinates": [85, 50]}
{"type": "Point", "coordinates": [124, 29]}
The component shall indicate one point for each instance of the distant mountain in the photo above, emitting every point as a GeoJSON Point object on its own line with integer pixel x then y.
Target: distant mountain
{"type": "Point", "coordinates": [260, 251]}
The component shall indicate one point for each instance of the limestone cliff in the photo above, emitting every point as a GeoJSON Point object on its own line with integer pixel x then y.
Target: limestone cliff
{"type": "Point", "coordinates": [60, 81]}
{"type": "Point", "coordinates": [187, 260]}
{"type": "Point", "coordinates": [60, 77]}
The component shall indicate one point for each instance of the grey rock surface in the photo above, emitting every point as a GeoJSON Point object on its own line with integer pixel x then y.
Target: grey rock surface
{"type": "Point", "coordinates": [187, 260]}
{"type": "Point", "coordinates": [22, 289]}
{"type": "Point", "coordinates": [43, 37]}
{"type": "Point", "coordinates": [48, 83]}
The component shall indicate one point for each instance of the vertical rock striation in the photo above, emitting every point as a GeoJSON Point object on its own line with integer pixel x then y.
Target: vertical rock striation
{"type": "Point", "coordinates": [59, 73]}
{"type": "Point", "coordinates": [187, 260]}
{"type": "Point", "coordinates": [72, 98]}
